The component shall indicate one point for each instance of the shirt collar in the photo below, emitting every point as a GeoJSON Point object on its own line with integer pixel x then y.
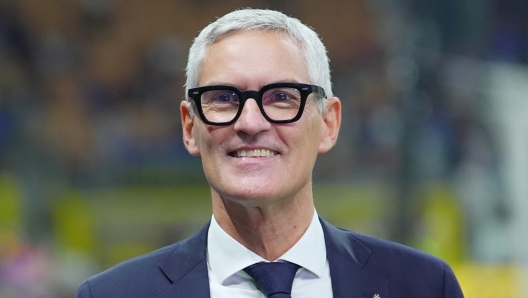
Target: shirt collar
{"type": "Point", "coordinates": [226, 256]}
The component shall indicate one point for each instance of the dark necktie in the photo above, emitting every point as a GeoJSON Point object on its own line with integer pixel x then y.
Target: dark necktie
{"type": "Point", "coordinates": [274, 279]}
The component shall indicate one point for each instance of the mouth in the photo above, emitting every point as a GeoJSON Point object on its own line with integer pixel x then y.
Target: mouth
{"type": "Point", "coordinates": [253, 153]}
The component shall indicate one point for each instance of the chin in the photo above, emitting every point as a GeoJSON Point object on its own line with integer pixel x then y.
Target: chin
{"type": "Point", "coordinates": [250, 195]}
{"type": "Point", "coordinates": [253, 196]}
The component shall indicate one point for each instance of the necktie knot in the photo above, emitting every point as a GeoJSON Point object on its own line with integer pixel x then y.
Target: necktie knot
{"type": "Point", "coordinates": [274, 279]}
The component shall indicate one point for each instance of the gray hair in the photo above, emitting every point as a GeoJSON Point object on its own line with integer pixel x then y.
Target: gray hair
{"type": "Point", "coordinates": [258, 19]}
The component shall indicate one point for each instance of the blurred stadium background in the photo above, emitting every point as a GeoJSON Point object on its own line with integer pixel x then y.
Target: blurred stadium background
{"type": "Point", "coordinates": [433, 150]}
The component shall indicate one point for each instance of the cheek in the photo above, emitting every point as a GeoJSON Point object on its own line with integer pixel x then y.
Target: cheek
{"type": "Point", "coordinates": [211, 139]}
{"type": "Point", "coordinates": [306, 138]}
{"type": "Point", "coordinates": [314, 132]}
{"type": "Point", "coordinates": [203, 140]}
{"type": "Point", "coordinates": [197, 136]}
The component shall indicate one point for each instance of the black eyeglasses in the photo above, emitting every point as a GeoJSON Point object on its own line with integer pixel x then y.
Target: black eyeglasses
{"type": "Point", "coordinates": [279, 103]}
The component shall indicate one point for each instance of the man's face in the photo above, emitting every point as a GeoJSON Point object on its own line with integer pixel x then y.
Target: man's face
{"type": "Point", "coordinates": [282, 155]}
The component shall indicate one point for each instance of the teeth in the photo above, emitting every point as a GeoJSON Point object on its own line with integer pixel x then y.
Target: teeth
{"type": "Point", "coordinates": [255, 153]}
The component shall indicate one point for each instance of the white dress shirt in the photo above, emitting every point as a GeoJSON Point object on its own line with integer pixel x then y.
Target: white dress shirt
{"type": "Point", "coordinates": [226, 259]}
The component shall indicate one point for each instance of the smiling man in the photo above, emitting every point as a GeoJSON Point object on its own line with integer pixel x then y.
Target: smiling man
{"type": "Point", "coordinates": [259, 110]}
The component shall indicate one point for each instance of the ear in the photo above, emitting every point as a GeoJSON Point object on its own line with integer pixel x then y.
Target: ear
{"type": "Point", "coordinates": [187, 118]}
{"type": "Point", "coordinates": [331, 124]}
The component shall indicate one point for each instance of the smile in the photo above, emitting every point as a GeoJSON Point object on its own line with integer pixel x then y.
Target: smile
{"type": "Point", "coordinates": [254, 153]}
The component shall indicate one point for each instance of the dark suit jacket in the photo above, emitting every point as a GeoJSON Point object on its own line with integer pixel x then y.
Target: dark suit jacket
{"type": "Point", "coordinates": [360, 266]}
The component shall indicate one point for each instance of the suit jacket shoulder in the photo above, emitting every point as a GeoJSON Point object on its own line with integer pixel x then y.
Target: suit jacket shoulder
{"type": "Point", "coordinates": [386, 268]}
{"type": "Point", "coordinates": [154, 274]}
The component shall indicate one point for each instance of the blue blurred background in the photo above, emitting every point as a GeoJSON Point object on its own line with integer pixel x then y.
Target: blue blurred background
{"type": "Point", "coordinates": [433, 150]}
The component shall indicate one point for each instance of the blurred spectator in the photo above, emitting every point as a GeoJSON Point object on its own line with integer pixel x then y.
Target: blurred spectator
{"type": "Point", "coordinates": [24, 270]}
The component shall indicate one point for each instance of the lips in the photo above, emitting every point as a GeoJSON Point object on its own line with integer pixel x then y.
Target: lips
{"type": "Point", "coordinates": [254, 153]}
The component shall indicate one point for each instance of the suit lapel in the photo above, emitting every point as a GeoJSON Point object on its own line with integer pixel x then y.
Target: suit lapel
{"type": "Point", "coordinates": [186, 268]}
{"type": "Point", "coordinates": [349, 271]}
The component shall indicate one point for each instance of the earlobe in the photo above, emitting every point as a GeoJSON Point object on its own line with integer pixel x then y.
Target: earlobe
{"type": "Point", "coordinates": [188, 128]}
{"type": "Point", "coordinates": [331, 124]}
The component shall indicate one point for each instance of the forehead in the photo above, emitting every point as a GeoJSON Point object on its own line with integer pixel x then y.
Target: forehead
{"type": "Point", "coordinates": [241, 57]}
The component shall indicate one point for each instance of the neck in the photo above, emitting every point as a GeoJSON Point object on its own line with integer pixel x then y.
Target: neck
{"type": "Point", "coordinates": [267, 229]}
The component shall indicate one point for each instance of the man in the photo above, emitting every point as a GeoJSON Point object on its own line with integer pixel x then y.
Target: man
{"type": "Point", "coordinates": [259, 110]}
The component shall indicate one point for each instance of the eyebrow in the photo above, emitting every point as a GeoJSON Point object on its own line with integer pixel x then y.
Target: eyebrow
{"type": "Point", "coordinates": [216, 83]}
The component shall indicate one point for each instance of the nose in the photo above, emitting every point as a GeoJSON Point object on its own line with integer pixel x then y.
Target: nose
{"type": "Point", "coordinates": [251, 120]}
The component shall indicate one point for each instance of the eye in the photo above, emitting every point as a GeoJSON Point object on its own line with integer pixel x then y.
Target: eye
{"type": "Point", "coordinates": [225, 97]}
{"type": "Point", "coordinates": [219, 97]}
{"type": "Point", "coordinates": [281, 95]}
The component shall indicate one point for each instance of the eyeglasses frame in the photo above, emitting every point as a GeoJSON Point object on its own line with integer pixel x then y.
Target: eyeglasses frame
{"type": "Point", "coordinates": [306, 89]}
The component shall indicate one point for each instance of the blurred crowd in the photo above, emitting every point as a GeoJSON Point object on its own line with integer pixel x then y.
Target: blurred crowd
{"type": "Point", "coordinates": [90, 92]}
